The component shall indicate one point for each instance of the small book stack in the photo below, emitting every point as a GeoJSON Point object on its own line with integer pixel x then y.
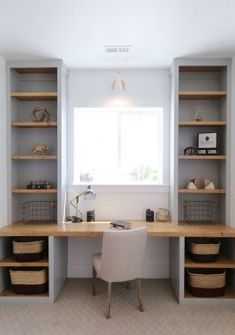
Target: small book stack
{"type": "Point", "coordinates": [121, 224]}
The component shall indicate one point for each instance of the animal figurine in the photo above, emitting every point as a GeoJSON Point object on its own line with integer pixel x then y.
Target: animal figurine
{"type": "Point", "coordinates": [40, 114]}
{"type": "Point", "coordinates": [40, 149]}
{"type": "Point", "coordinates": [208, 184]}
{"type": "Point", "coordinates": [193, 184]}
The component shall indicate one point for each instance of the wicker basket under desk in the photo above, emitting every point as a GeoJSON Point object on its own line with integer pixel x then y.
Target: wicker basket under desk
{"type": "Point", "coordinates": [203, 249]}
{"type": "Point", "coordinates": [29, 280]}
{"type": "Point", "coordinates": [28, 250]}
{"type": "Point", "coordinates": [206, 282]}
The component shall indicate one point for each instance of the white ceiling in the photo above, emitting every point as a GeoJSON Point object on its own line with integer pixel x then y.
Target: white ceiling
{"type": "Point", "coordinates": [77, 30]}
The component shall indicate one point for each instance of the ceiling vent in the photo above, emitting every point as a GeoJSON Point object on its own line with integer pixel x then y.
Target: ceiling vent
{"type": "Point", "coordinates": [118, 49]}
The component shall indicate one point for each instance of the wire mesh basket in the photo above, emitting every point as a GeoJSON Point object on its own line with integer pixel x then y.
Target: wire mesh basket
{"type": "Point", "coordinates": [202, 211]}
{"type": "Point", "coordinates": [39, 210]}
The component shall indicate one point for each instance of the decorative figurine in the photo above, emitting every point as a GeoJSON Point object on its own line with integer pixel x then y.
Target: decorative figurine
{"type": "Point", "coordinates": [162, 215]}
{"type": "Point", "coordinates": [198, 113]}
{"type": "Point", "coordinates": [40, 114]}
{"type": "Point", "coordinates": [208, 184]}
{"type": "Point", "coordinates": [189, 151]}
{"type": "Point", "coordinates": [192, 184]}
{"type": "Point", "coordinates": [40, 149]}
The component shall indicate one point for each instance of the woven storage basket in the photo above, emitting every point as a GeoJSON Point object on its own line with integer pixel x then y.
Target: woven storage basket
{"type": "Point", "coordinates": [28, 281]}
{"type": "Point", "coordinates": [206, 282]}
{"type": "Point", "coordinates": [27, 250]}
{"type": "Point", "coordinates": [203, 249]}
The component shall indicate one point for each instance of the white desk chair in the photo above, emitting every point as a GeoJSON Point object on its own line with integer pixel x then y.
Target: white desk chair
{"type": "Point", "coordinates": [121, 260]}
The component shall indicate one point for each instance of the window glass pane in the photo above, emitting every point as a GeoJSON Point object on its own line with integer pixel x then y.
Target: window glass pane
{"type": "Point", "coordinates": [118, 146]}
{"type": "Point", "coordinates": [140, 148]}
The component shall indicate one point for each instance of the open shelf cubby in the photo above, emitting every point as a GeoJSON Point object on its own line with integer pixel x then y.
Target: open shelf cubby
{"type": "Point", "coordinates": [203, 93]}
{"type": "Point", "coordinates": [225, 261]}
{"type": "Point", "coordinates": [8, 262]}
{"type": "Point", "coordinates": [30, 88]}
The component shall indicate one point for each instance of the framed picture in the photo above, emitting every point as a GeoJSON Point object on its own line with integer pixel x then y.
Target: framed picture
{"type": "Point", "coordinates": [207, 143]}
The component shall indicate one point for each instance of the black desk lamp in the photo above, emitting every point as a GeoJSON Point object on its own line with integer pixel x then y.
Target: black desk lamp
{"type": "Point", "coordinates": [88, 194]}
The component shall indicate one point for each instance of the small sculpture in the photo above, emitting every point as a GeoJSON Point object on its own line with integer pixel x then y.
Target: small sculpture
{"type": "Point", "coordinates": [198, 113]}
{"type": "Point", "coordinates": [40, 114]}
{"type": "Point", "coordinates": [193, 184]}
{"type": "Point", "coordinates": [190, 151]}
{"type": "Point", "coordinates": [208, 184]}
{"type": "Point", "coordinates": [162, 215]}
{"type": "Point", "coordinates": [40, 149]}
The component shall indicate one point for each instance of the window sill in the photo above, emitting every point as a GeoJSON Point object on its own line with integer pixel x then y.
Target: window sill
{"type": "Point", "coordinates": [123, 188]}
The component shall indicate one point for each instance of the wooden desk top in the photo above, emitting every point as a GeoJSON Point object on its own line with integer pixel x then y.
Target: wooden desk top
{"type": "Point", "coordinates": [92, 229]}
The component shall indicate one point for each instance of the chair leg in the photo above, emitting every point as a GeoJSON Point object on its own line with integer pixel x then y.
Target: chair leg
{"type": "Point", "coordinates": [139, 298]}
{"type": "Point", "coordinates": [109, 300]}
{"type": "Point", "coordinates": [94, 275]}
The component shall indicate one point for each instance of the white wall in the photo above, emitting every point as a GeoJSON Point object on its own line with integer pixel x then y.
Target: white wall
{"type": "Point", "coordinates": [145, 88]}
{"type": "Point", "coordinates": [3, 162]}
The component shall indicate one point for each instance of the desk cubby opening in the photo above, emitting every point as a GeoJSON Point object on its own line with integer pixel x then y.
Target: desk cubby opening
{"type": "Point", "coordinates": [8, 262]}
{"type": "Point", "coordinates": [225, 261]}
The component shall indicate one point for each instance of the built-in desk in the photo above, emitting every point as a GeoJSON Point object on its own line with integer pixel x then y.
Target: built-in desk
{"type": "Point", "coordinates": [57, 259]}
{"type": "Point", "coordinates": [155, 229]}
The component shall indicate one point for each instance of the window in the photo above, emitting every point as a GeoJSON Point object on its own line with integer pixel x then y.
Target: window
{"type": "Point", "coordinates": [118, 146]}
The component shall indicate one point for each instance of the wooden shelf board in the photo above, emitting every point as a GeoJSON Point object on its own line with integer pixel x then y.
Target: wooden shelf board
{"type": "Point", "coordinates": [9, 261]}
{"type": "Point", "coordinates": [222, 262]}
{"type": "Point", "coordinates": [32, 96]}
{"type": "Point", "coordinates": [25, 190]}
{"type": "Point", "coordinates": [9, 293]}
{"type": "Point", "coordinates": [202, 157]}
{"type": "Point", "coordinates": [35, 157]}
{"type": "Point", "coordinates": [200, 68]}
{"type": "Point", "coordinates": [201, 191]}
{"type": "Point", "coordinates": [201, 94]}
{"type": "Point", "coordinates": [201, 123]}
{"type": "Point", "coordinates": [34, 124]}
{"type": "Point", "coordinates": [229, 294]}
{"type": "Point", "coordinates": [36, 70]}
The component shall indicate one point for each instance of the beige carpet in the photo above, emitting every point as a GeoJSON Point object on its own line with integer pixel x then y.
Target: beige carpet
{"type": "Point", "coordinates": [77, 312]}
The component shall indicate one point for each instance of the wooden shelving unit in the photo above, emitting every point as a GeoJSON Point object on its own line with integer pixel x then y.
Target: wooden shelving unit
{"type": "Point", "coordinates": [33, 84]}
{"type": "Point", "coordinates": [10, 293]}
{"type": "Point", "coordinates": [200, 68]}
{"type": "Point", "coordinates": [29, 191]}
{"type": "Point", "coordinates": [202, 157]}
{"type": "Point", "coordinates": [201, 88]}
{"type": "Point", "coordinates": [36, 70]}
{"type": "Point", "coordinates": [201, 123]}
{"type": "Point", "coordinates": [9, 261]}
{"type": "Point", "coordinates": [223, 262]}
{"type": "Point", "coordinates": [201, 191]}
{"type": "Point", "coordinates": [43, 158]}
{"type": "Point", "coordinates": [229, 294]}
{"type": "Point", "coordinates": [34, 96]}
{"type": "Point", "coordinates": [202, 94]}
{"type": "Point", "coordinates": [34, 124]}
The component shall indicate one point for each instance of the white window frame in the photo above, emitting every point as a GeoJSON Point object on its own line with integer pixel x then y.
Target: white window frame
{"type": "Point", "coordinates": [165, 158]}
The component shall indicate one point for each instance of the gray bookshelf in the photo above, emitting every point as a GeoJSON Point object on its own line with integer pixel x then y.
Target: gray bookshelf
{"type": "Point", "coordinates": [200, 85]}
{"type": "Point", "coordinates": [33, 84]}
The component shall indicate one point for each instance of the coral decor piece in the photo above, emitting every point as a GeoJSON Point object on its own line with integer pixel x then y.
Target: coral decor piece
{"type": "Point", "coordinates": [40, 114]}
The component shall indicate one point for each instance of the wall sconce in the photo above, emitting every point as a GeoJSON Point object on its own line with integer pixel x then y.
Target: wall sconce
{"type": "Point", "coordinates": [118, 82]}
{"type": "Point", "coordinates": [88, 194]}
